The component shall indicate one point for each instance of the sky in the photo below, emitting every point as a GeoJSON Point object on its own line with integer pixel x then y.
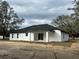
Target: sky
{"type": "Point", "coordinates": [40, 11]}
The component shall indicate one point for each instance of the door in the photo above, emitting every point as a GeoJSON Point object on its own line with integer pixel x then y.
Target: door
{"type": "Point", "coordinates": [40, 36]}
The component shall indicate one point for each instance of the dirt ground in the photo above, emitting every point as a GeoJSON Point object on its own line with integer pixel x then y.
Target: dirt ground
{"type": "Point", "coordinates": [27, 50]}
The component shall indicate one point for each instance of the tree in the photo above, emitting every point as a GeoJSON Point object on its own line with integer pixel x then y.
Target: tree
{"type": "Point", "coordinates": [75, 15]}
{"type": "Point", "coordinates": [66, 23]}
{"type": "Point", "coordinates": [69, 23]}
{"type": "Point", "coordinates": [8, 19]}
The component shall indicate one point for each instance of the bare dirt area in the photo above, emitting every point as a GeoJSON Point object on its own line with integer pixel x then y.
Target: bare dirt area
{"type": "Point", "coordinates": [26, 50]}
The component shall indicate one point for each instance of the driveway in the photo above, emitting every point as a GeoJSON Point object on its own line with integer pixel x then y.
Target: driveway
{"type": "Point", "coordinates": [24, 50]}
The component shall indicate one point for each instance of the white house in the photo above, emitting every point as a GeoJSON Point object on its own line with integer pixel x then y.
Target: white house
{"type": "Point", "coordinates": [39, 33]}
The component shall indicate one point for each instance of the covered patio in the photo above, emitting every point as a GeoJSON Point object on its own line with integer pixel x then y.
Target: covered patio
{"type": "Point", "coordinates": [41, 36]}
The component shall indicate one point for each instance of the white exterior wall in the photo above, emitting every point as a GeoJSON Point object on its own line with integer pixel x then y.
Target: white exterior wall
{"type": "Point", "coordinates": [64, 36]}
{"type": "Point", "coordinates": [31, 37]}
{"type": "Point", "coordinates": [22, 36]}
{"type": "Point", "coordinates": [1, 37]}
{"type": "Point", "coordinates": [58, 36]}
{"type": "Point", "coordinates": [55, 36]}
{"type": "Point", "coordinates": [47, 36]}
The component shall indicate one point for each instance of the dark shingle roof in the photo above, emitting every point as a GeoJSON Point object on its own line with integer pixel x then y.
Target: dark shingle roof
{"type": "Point", "coordinates": [35, 28]}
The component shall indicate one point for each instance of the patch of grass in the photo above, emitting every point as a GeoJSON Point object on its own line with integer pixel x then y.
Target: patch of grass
{"type": "Point", "coordinates": [75, 41]}
{"type": "Point", "coordinates": [67, 43]}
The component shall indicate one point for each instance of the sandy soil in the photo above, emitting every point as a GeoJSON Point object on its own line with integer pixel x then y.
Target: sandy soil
{"type": "Point", "coordinates": [26, 50]}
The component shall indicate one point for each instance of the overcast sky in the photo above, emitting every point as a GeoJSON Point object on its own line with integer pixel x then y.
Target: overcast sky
{"type": "Point", "coordinates": [40, 11]}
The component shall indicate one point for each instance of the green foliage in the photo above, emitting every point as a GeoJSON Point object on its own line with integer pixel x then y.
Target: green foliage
{"type": "Point", "coordinates": [69, 23]}
{"type": "Point", "coordinates": [9, 20]}
{"type": "Point", "coordinates": [66, 23]}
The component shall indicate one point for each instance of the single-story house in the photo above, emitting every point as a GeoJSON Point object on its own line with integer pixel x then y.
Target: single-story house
{"type": "Point", "coordinates": [39, 33]}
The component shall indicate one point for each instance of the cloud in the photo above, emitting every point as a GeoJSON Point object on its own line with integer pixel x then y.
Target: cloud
{"type": "Point", "coordinates": [35, 22]}
{"type": "Point", "coordinates": [40, 11]}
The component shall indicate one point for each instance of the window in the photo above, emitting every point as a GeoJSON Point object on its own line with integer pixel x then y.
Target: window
{"type": "Point", "coordinates": [12, 35]}
{"type": "Point", "coordinates": [17, 35]}
{"type": "Point", "coordinates": [26, 34]}
{"type": "Point", "coordinates": [40, 36]}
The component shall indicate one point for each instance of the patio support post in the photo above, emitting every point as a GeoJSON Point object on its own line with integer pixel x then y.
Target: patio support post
{"type": "Point", "coordinates": [47, 37]}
